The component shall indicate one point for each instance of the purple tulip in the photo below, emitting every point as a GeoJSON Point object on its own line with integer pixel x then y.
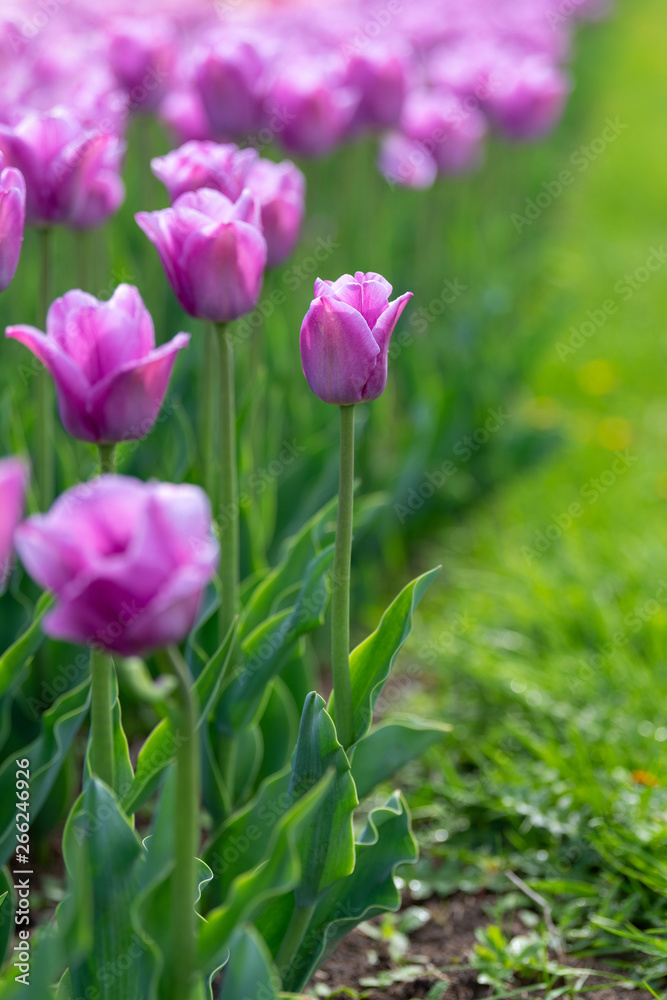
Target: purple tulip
{"type": "Point", "coordinates": [212, 250]}
{"type": "Point", "coordinates": [448, 129]}
{"type": "Point", "coordinates": [281, 191]}
{"type": "Point", "coordinates": [127, 561]}
{"type": "Point", "coordinates": [110, 378]}
{"type": "Point", "coordinates": [345, 337]}
{"type": "Point", "coordinates": [405, 162]}
{"type": "Point", "coordinates": [315, 106]}
{"type": "Point", "coordinates": [527, 97]}
{"type": "Point", "coordinates": [141, 57]}
{"type": "Point", "coordinates": [13, 482]}
{"type": "Point", "coordinates": [204, 165]}
{"type": "Point", "coordinates": [380, 75]}
{"type": "Point", "coordinates": [230, 83]}
{"type": "Point", "coordinates": [71, 171]}
{"type": "Point", "coordinates": [12, 221]}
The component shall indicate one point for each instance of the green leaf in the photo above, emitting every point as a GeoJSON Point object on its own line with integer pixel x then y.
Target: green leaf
{"type": "Point", "coordinates": [161, 746]}
{"type": "Point", "coordinates": [387, 748]}
{"type": "Point", "coordinates": [385, 843]}
{"type": "Point", "coordinates": [101, 853]}
{"type": "Point", "coordinates": [135, 679]}
{"type": "Point", "coordinates": [249, 974]}
{"type": "Point", "coordinates": [60, 725]}
{"type": "Point", "coordinates": [326, 843]}
{"type": "Point", "coordinates": [371, 662]}
{"type": "Point", "coordinates": [123, 770]}
{"type": "Point", "coordinates": [279, 726]}
{"type": "Point", "coordinates": [267, 648]}
{"type": "Point", "coordinates": [277, 873]}
{"type": "Point", "coordinates": [7, 906]}
{"type": "Point", "coordinates": [25, 646]}
{"type": "Point", "coordinates": [243, 840]}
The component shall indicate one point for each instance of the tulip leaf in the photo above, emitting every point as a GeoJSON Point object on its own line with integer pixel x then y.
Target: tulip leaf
{"type": "Point", "coordinates": [248, 753]}
{"type": "Point", "coordinates": [267, 648]}
{"type": "Point", "coordinates": [243, 839]}
{"type": "Point", "coordinates": [123, 770]}
{"type": "Point", "coordinates": [249, 973]}
{"type": "Point", "coordinates": [387, 748]}
{"type": "Point", "coordinates": [161, 746]}
{"type": "Point", "coordinates": [277, 873]}
{"type": "Point", "coordinates": [371, 662]}
{"type": "Point", "coordinates": [385, 843]}
{"type": "Point", "coordinates": [101, 853]}
{"type": "Point", "coordinates": [7, 909]}
{"type": "Point", "coordinates": [300, 551]}
{"type": "Point", "coordinates": [279, 726]}
{"type": "Point", "coordinates": [326, 843]}
{"type": "Point", "coordinates": [135, 679]}
{"type": "Point", "coordinates": [60, 724]}
{"type": "Point", "coordinates": [12, 661]}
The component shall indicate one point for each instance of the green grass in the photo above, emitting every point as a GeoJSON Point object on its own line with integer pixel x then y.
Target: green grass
{"type": "Point", "coordinates": [546, 645]}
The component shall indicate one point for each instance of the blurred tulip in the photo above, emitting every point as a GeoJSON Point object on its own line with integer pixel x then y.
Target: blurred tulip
{"type": "Point", "coordinates": [141, 56]}
{"type": "Point", "coordinates": [280, 189]}
{"type": "Point", "coordinates": [380, 75]}
{"type": "Point", "coordinates": [527, 97]}
{"type": "Point", "coordinates": [212, 250]}
{"type": "Point", "coordinates": [204, 165]}
{"type": "Point", "coordinates": [71, 172]}
{"type": "Point", "coordinates": [128, 562]}
{"type": "Point", "coordinates": [13, 482]}
{"type": "Point", "coordinates": [12, 220]}
{"type": "Point", "coordinates": [450, 130]}
{"type": "Point", "coordinates": [110, 378]}
{"type": "Point", "coordinates": [229, 78]}
{"type": "Point", "coordinates": [313, 104]}
{"type": "Point", "coordinates": [345, 337]}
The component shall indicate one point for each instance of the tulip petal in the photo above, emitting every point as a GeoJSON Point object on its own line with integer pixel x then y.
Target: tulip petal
{"type": "Point", "coordinates": [124, 406]}
{"type": "Point", "coordinates": [70, 382]}
{"type": "Point", "coordinates": [338, 351]}
{"type": "Point", "coordinates": [382, 332]}
{"type": "Point", "coordinates": [229, 270]}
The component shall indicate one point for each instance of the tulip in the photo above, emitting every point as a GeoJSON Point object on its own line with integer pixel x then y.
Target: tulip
{"type": "Point", "coordinates": [141, 57]}
{"type": "Point", "coordinates": [222, 166]}
{"type": "Point", "coordinates": [230, 83]}
{"type": "Point", "coordinates": [12, 219]}
{"type": "Point", "coordinates": [446, 127]}
{"type": "Point", "coordinates": [527, 97]}
{"type": "Point", "coordinates": [212, 250]}
{"type": "Point", "coordinates": [380, 75]}
{"type": "Point", "coordinates": [13, 482]}
{"type": "Point", "coordinates": [281, 190]}
{"type": "Point", "coordinates": [71, 171]}
{"type": "Point", "coordinates": [405, 162]}
{"type": "Point", "coordinates": [110, 378]}
{"type": "Point", "coordinates": [127, 561]}
{"type": "Point", "coordinates": [315, 105]}
{"type": "Point", "coordinates": [345, 337]}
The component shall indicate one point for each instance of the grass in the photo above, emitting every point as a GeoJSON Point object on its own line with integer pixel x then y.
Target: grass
{"type": "Point", "coordinates": [546, 644]}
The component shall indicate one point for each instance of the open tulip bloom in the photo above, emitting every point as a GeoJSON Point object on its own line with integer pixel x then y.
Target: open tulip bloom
{"type": "Point", "coordinates": [110, 378]}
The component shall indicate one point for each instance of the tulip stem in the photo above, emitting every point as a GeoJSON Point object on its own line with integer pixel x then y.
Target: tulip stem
{"type": "Point", "coordinates": [101, 716]}
{"type": "Point", "coordinates": [209, 413]}
{"type": "Point", "coordinates": [107, 458]}
{"type": "Point", "coordinates": [45, 462]}
{"type": "Point", "coordinates": [294, 935]}
{"type": "Point", "coordinates": [340, 596]}
{"type": "Point", "coordinates": [186, 836]}
{"type": "Point", "coordinates": [228, 499]}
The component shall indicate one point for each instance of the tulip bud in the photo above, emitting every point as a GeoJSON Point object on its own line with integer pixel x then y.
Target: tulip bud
{"type": "Point", "coordinates": [13, 481]}
{"type": "Point", "coordinates": [12, 220]}
{"type": "Point", "coordinates": [345, 337]}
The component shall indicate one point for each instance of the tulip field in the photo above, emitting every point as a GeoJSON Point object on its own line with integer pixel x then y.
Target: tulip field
{"type": "Point", "coordinates": [333, 545]}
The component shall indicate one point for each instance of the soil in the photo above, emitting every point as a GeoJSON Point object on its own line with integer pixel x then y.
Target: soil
{"type": "Point", "coordinates": [447, 940]}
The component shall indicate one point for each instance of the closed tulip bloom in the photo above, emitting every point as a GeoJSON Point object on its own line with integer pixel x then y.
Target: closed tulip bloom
{"type": "Point", "coordinates": [194, 165]}
{"type": "Point", "coordinates": [230, 82]}
{"type": "Point", "coordinates": [406, 162]}
{"type": "Point", "coordinates": [280, 189]}
{"type": "Point", "coordinates": [12, 220]}
{"type": "Point", "coordinates": [110, 378]}
{"type": "Point", "coordinates": [449, 130]}
{"type": "Point", "coordinates": [72, 172]}
{"type": "Point", "coordinates": [345, 337]}
{"type": "Point", "coordinates": [380, 75]}
{"type": "Point", "coordinates": [128, 562]}
{"type": "Point", "coordinates": [141, 57]}
{"type": "Point", "coordinates": [527, 98]}
{"type": "Point", "coordinates": [212, 250]}
{"type": "Point", "coordinates": [316, 106]}
{"type": "Point", "coordinates": [13, 482]}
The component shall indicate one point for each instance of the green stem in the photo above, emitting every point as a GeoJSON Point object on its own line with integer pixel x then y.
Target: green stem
{"type": "Point", "coordinates": [186, 837]}
{"type": "Point", "coordinates": [107, 458]}
{"type": "Point", "coordinates": [210, 455]}
{"type": "Point", "coordinates": [340, 597]}
{"type": "Point", "coordinates": [101, 716]}
{"type": "Point", "coordinates": [45, 442]}
{"type": "Point", "coordinates": [229, 501]}
{"type": "Point", "coordinates": [82, 257]}
{"type": "Point", "coordinates": [296, 929]}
